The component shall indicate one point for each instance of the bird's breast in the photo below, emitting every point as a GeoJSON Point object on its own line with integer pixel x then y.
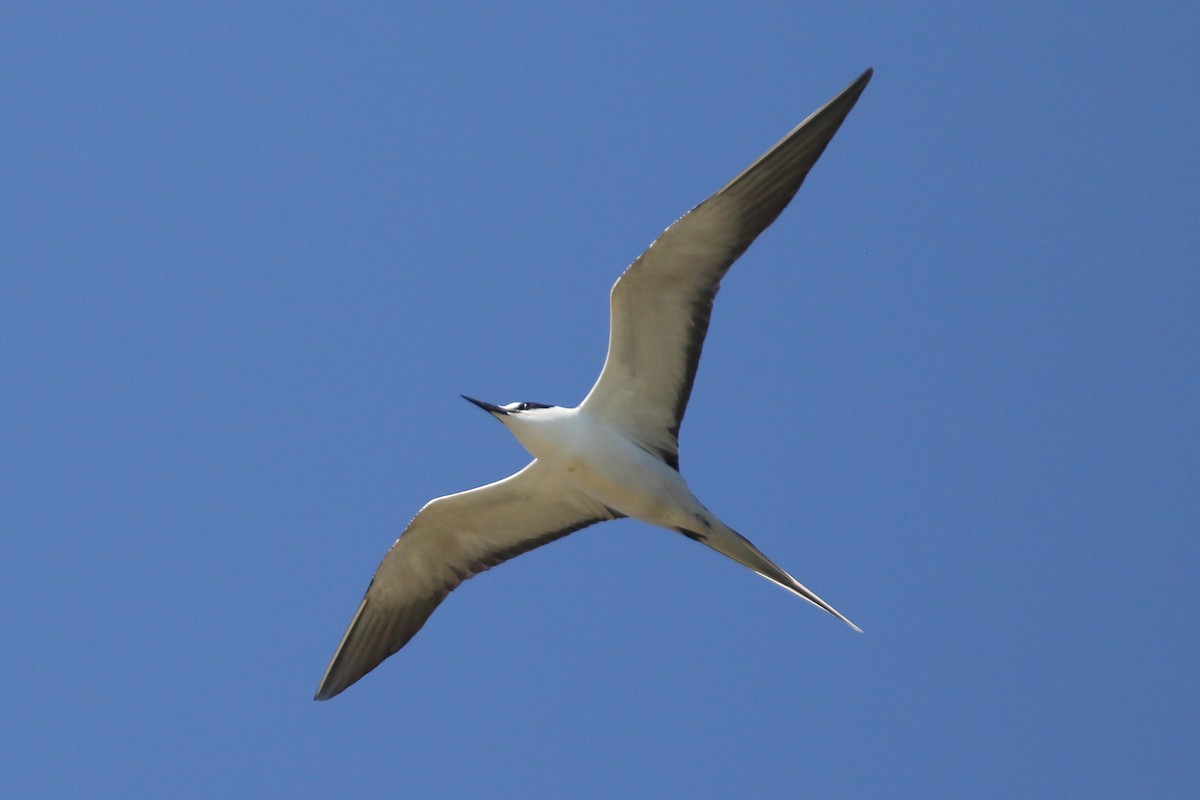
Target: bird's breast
{"type": "Point", "coordinates": [614, 470]}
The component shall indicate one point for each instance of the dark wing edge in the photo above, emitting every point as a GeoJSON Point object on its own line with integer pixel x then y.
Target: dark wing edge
{"type": "Point", "coordinates": [376, 632]}
{"type": "Point", "coordinates": [766, 187]}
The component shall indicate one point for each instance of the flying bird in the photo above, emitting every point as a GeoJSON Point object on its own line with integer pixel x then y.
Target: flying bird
{"type": "Point", "coordinates": [616, 454]}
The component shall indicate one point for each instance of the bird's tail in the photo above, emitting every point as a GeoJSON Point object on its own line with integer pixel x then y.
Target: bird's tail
{"type": "Point", "coordinates": [730, 543]}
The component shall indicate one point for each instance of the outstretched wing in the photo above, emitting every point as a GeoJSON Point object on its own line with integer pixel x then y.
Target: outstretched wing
{"type": "Point", "coordinates": [450, 540]}
{"type": "Point", "coordinates": [660, 306]}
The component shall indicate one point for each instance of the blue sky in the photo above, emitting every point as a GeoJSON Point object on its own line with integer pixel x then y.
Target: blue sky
{"type": "Point", "coordinates": [253, 253]}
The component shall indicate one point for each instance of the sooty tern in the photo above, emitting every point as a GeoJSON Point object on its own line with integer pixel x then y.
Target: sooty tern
{"type": "Point", "coordinates": [617, 453]}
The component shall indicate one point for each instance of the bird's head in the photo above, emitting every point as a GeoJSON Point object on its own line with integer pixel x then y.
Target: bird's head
{"type": "Point", "coordinates": [537, 426]}
{"type": "Point", "coordinates": [499, 412]}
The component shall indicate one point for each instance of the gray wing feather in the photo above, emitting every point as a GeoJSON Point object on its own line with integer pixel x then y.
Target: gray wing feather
{"type": "Point", "coordinates": [661, 305]}
{"type": "Point", "coordinates": [452, 539]}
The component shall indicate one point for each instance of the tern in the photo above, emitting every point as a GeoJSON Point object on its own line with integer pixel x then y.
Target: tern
{"type": "Point", "coordinates": [616, 454]}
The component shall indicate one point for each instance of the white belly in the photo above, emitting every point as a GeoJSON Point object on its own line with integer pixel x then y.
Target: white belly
{"type": "Point", "coordinates": [604, 464]}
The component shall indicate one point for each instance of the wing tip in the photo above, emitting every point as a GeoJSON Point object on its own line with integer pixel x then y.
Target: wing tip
{"type": "Point", "coordinates": [331, 685]}
{"type": "Point", "coordinates": [858, 84]}
{"type": "Point", "coordinates": [327, 692]}
{"type": "Point", "coordinates": [334, 681]}
{"type": "Point", "coordinates": [846, 98]}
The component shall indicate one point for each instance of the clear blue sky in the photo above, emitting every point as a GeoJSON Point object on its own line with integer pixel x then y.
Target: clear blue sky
{"type": "Point", "coordinates": [252, 253]}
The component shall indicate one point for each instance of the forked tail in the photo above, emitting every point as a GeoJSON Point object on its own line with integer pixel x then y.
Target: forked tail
{"type": "Point", "coordinates": [730, 543]}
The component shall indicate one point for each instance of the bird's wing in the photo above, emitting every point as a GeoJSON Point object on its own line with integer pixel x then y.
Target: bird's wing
{"type": "Point", "coordinates": [660, 306]}
{"type": "Point", "coordinates": [450, 540]}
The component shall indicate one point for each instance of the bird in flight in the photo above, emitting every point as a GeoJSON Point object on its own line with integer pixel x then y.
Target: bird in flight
{"type": "Point", "coordinates": [616, 454]}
